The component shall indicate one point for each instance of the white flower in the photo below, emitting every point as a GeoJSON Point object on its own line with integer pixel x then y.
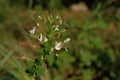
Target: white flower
{"type": "Point", "coordinates": [42, 38]}
{"type": "Point", "coordinates": [67, 40]}
{"type": "Point", "coordinates": [57, 55]}
{"type": "Point", "coordinates": [66, 49]}
{"type": "Point", "coordinates": [39, 17]}
{"type": "Point", "coordinates": [45, 39]}
{"type": "Point", "coordinates": [58, 45]}
{"type": "Point", "coordinates": [57, 17]}
{"type": "Point", "coordinates": [33, 30]}
{"type": "Point", "coordinates": [56, 27]}
{"type": "Point", "coordinates": [38, 24]}
{"type": "Point", "coordinates": [61, 22]}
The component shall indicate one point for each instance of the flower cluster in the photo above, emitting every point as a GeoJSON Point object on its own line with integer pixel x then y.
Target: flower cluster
{"type": "Point", "coordinates": [52, 37]}
{"type": "Point", "coordinates": [59, 45]}
{"type": "Point", "coordinates": [54, 28]}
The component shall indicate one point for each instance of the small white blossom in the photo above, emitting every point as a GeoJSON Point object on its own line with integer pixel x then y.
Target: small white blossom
{"type": "Point", "coordinates": [33, 30]}
{"type": "Point", "coordinates": [57, 55]}
{"type": "Point", "coordinates": [38, 24]}
{"type": "Point", "coordinates": [56, 27]}
{"type": "Point", "coordinates": [57, 17]}
{"type": "Point", "coordinates": [42, 38]}
{"type": "Point", "coordinates": [67, 40]}
{"type": "Point", "coordinates": [61, 21]}
{"type": "Point", "coordinates": [58, 45]}
{"type": "Point", "coordinates": [39, 17]}
{"type": "Point", "coordinates": [66, 49]}
{"type": "Point", "coordinates": [45, 39]}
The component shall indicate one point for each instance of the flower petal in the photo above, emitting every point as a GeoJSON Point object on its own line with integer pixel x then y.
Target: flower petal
{"type": "Point", "coordinates": [33, 30]}
{"type": "Point", "coordinates": [67, 40]}
{"type": "Point", "coordinates": [40, 38]}
{"type": "Point", "coordinates": [58, 45]}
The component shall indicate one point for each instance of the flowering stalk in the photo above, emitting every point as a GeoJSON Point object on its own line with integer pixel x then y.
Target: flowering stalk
{"type": "Point", "coordinates": [52, 38]}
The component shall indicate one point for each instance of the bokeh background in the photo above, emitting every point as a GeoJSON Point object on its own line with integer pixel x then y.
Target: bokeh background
{"type": "Point", "coordinates": [94, 28]}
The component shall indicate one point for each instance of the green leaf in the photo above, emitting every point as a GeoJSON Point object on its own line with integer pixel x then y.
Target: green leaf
{"type": "Point", "coordinates": [101, 23]}
{"type": "Point", "coordinates": [87, 74]}
{"type": "Point", "coordinates": [87, 57]}
{"type": "Point", "coordinates": [39, 70]}
{"type": "Point", "coordinates": [111, 55]}
{"type": "Point", "coordinates": [50, 59]}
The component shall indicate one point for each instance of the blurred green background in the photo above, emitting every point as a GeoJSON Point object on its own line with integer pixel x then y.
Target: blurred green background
{"type": "Point", "coordinates": [94, 29]}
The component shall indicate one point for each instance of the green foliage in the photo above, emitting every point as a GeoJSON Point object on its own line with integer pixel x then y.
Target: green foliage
{"type": "Point", "coordinates": [53, 41]}
{"type": "Point", "coordinates": [36, 67]}
{"type": "Point", "coordinates": [95, 55]}
{"type": "Point", "coordinates": [92, 54]}
{"type": "Point", "coordinates": [52, 4]}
